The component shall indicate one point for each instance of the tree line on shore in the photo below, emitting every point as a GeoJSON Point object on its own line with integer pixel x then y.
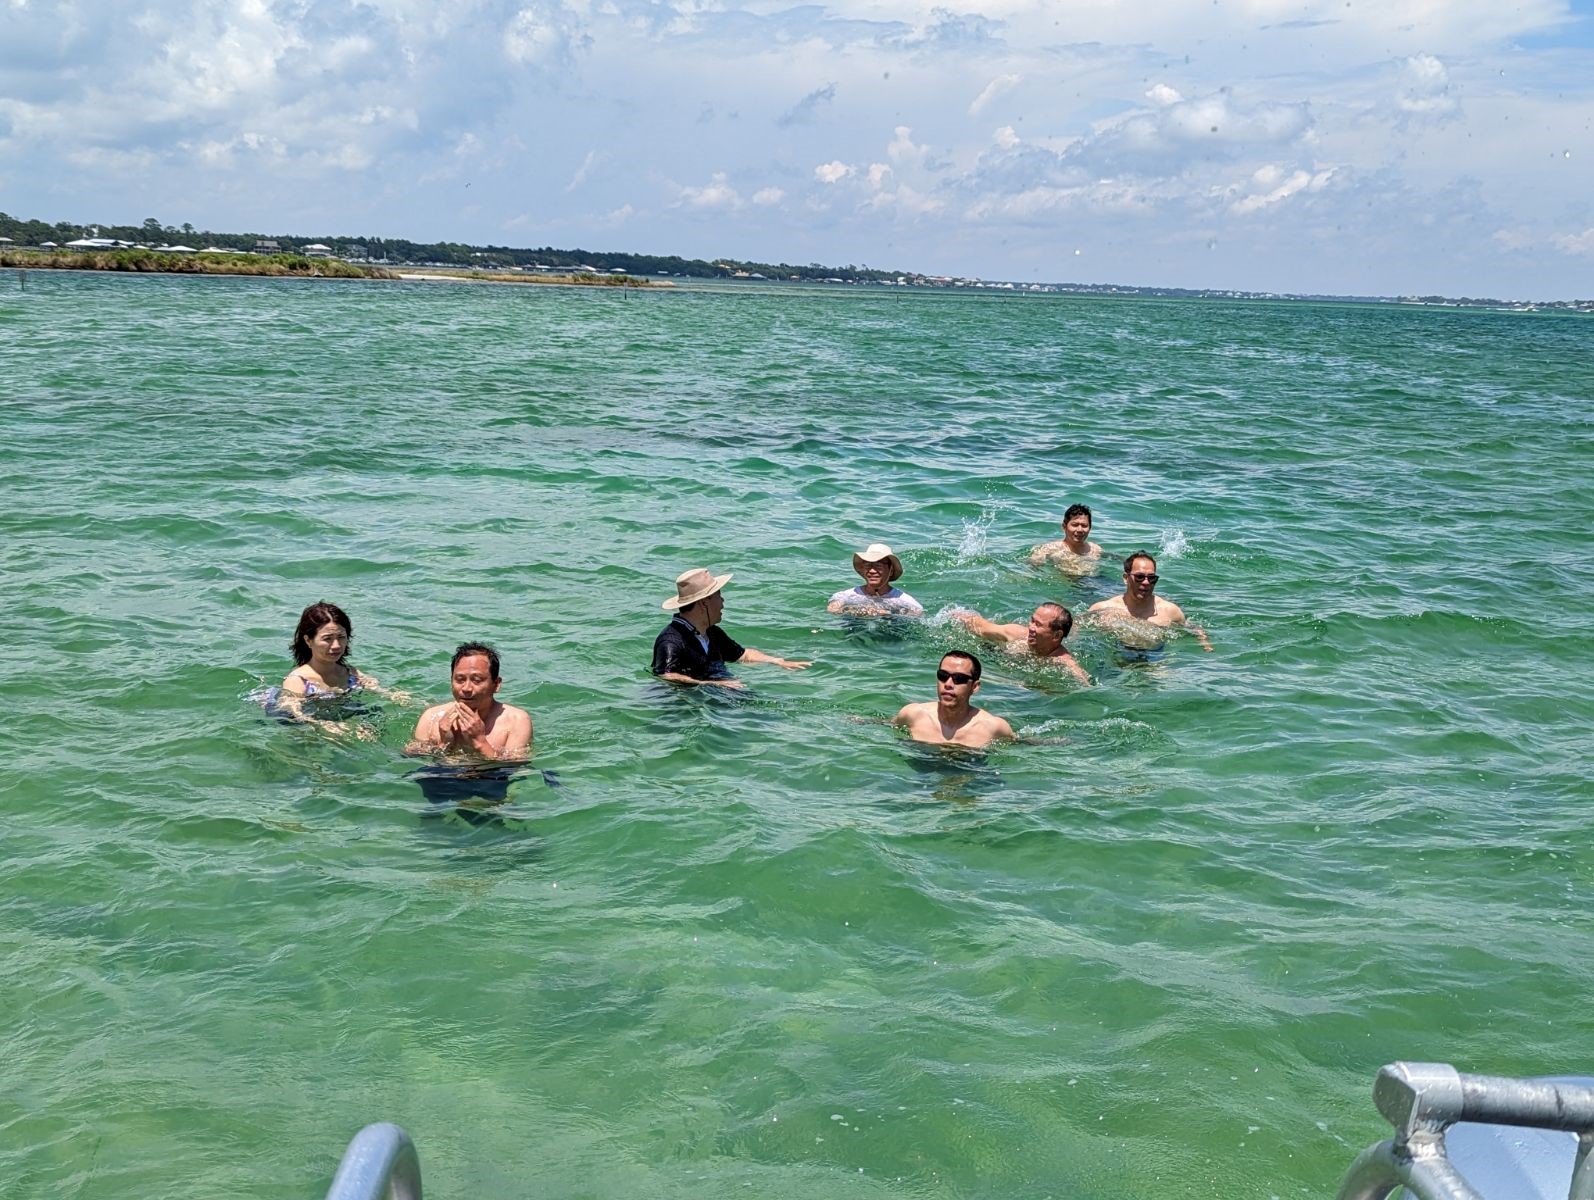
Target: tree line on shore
{"type": "Point", "coordinates": [401, 251]}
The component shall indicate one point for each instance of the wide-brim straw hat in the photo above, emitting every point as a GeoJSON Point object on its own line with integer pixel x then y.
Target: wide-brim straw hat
{"type": "Point", "coordinates": [694, 585]}
{"type": "Point", "coordinates": [877, 553]}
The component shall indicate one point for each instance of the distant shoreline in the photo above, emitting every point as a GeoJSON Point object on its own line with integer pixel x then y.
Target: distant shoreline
{"type": "Point", "coordinates": [279, 266]}
{"type": "Point", "coordinates": [296, 266]}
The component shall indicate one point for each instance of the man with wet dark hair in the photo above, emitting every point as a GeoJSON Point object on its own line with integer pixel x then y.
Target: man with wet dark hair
{"type": "Point", "coordinates": [1074, 552]}
{"type": "Point", "coordinates": [1139, 616]}
{"type": "Point", "coordinates": [1042, 638]}
{"type": "Point", "coordinates": [475, 723]}
{"type": "Point", "coordinates": [950, 720]}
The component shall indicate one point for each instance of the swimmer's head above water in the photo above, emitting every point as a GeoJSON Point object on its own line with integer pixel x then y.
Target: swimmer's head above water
{"type": "Point", "coordinates": [323, 628]}
{"type": "Point", "coordinates": [1140, 575]}
{"type": "Point", "coordinates": [473, 675]}
{"type": "Point", "coordinates": [1049, 624]}
{"type": "Point", "coordinates": [1077, 522]}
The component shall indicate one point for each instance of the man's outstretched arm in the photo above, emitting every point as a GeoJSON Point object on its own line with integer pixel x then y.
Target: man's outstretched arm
{"type": "Point", "coordinates": [988, 631]}
{"type": "Point", "coordinates": [758, 656]}
{"type": "Point", "coordinates": [677, 677]}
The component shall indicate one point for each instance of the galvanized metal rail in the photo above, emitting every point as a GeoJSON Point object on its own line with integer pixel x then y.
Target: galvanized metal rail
{"type": "Point", "coordinates": [380, 1164]}
{"type": "Point", "coordinates": [1425, 1100]}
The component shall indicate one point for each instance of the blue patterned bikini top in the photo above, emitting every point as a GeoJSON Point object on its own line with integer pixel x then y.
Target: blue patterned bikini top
{"type": "Point", "coordinates": [311, 690]}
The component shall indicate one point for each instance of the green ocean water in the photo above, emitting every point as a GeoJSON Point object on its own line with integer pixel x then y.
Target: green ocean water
{"type": "Point", "coordinates": [751, 945]}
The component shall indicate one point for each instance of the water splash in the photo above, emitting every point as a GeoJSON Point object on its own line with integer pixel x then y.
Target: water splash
{"type": "Point", "coordinates": [976, 533]}
{"type": "Point", "coordinates": [1174, 544]}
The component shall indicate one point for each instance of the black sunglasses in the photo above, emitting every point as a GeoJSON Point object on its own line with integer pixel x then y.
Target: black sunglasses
{"type": "Point", "coordinates": [957, 677]}
{"type": "Point", "coordinates": [1145, 576]}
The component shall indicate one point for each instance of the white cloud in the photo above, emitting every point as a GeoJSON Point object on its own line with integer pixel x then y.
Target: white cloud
{"type": "Point", "coordinates": [906, 200]}
{"type": "Point", "coordinates": [1425, 87]}
{"type": "Point", "coordinates": [902, 148]}
{"type": "Point", "coordinates": [717, 193]}
{"type": "Point", "coordinates": [832, 172]}
{"type": "Point", "coordinates": [593, 158]}
{"type": "Point", "coordinates": [1006, 137]}
{"type": "Point", "coordinates": [543, 35]}
{"type": "Point", "coordinates": [1182, 132]}
{"type": "Point", "coordinates": [878, 174]}
{"type": "Point", "coordinates": [1106, 197]}
{"type": "Point", "coordinates": [1002, 83]}
{"type": "Point", "coordinates": [808, 106]}
{"type": "Point", "coordinates": [1271, 184]}
{"type": "Point", "coordinates": [1162, 95]}
{"type": "Point", "coordinates": [1577, 243]}
{"type": "Point", "coordinates": [948, 31]}
{"type": "Point", "coordinates": [768, 195]}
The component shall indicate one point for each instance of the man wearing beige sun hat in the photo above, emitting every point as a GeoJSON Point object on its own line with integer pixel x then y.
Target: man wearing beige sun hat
{"type": "Point", "coordinates": [693, 648]}
{"type": "Point", "coordinates": [875, 597]}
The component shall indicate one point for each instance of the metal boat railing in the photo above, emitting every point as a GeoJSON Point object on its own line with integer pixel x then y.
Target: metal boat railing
{"type": "Point", "coordinates": [380, 1164]}
{"type": "Point", "coordinates": [1423, 1101]}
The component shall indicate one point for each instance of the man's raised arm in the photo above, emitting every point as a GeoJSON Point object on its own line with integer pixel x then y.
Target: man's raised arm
{"type": "Point", "coordinates": [989, 631]}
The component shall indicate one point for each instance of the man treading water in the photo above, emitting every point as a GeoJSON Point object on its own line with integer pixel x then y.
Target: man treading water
{"type": "Point", "coordinates": [693, 648]}
{"type": "Point", "coordinates": [950, 720]}
{"type": "Point", "coordinates": [1041, 639]}
{"type": "Point", "coordinates": [876, 596]}
{"type": "Point", "coordinates": [1074, 552]}
{"type": "Point", "coordinates": [1140, 617]}
{"type": "Point", "coordinates": [475, 724]}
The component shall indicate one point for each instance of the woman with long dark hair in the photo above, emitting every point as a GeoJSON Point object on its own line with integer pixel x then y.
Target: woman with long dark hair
{"type": "Point", "coordinates": [322, 670]}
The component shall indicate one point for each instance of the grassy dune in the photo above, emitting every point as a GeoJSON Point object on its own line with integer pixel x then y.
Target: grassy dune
{"type": "Point", "coordinates": [189, 264]}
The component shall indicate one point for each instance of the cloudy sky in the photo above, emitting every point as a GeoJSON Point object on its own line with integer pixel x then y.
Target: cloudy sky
{"type": "Point", "coordinates": [1348, 146]}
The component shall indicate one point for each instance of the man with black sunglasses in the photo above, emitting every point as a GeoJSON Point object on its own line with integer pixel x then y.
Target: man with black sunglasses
{"type": "Point", "coordinates": [950, 720]}
{"type": "Point", "coordinates": [1140, 606]}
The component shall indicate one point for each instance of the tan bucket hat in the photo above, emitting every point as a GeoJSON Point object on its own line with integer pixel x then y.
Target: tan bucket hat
{"type": "Point", "coordinates": [876, 553]}
{"type": "Point", "coordinates": [694, 585]}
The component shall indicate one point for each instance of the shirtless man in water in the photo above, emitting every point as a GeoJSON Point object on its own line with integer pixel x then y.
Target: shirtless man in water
{"type": "Point", "coordinates": [950, 720]}
{"type": "Point", "coordinates": [1074, 552]}
{"type": "Point", "coordinates": [1140, 606]}
{"type": "Point", "coordinates": [1042, 638]}
{"type": "Point", "coordinates": [474, 723]}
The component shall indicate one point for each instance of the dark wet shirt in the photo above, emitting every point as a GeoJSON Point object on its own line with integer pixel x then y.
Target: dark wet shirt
{"type": "Point", "coordinates": [678, 651]}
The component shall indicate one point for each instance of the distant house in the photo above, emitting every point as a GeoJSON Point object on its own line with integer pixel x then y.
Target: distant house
{"type": "Point", "coordinates": [317, 250]}
{"type": "Point", "coordinates": [267, 246]}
